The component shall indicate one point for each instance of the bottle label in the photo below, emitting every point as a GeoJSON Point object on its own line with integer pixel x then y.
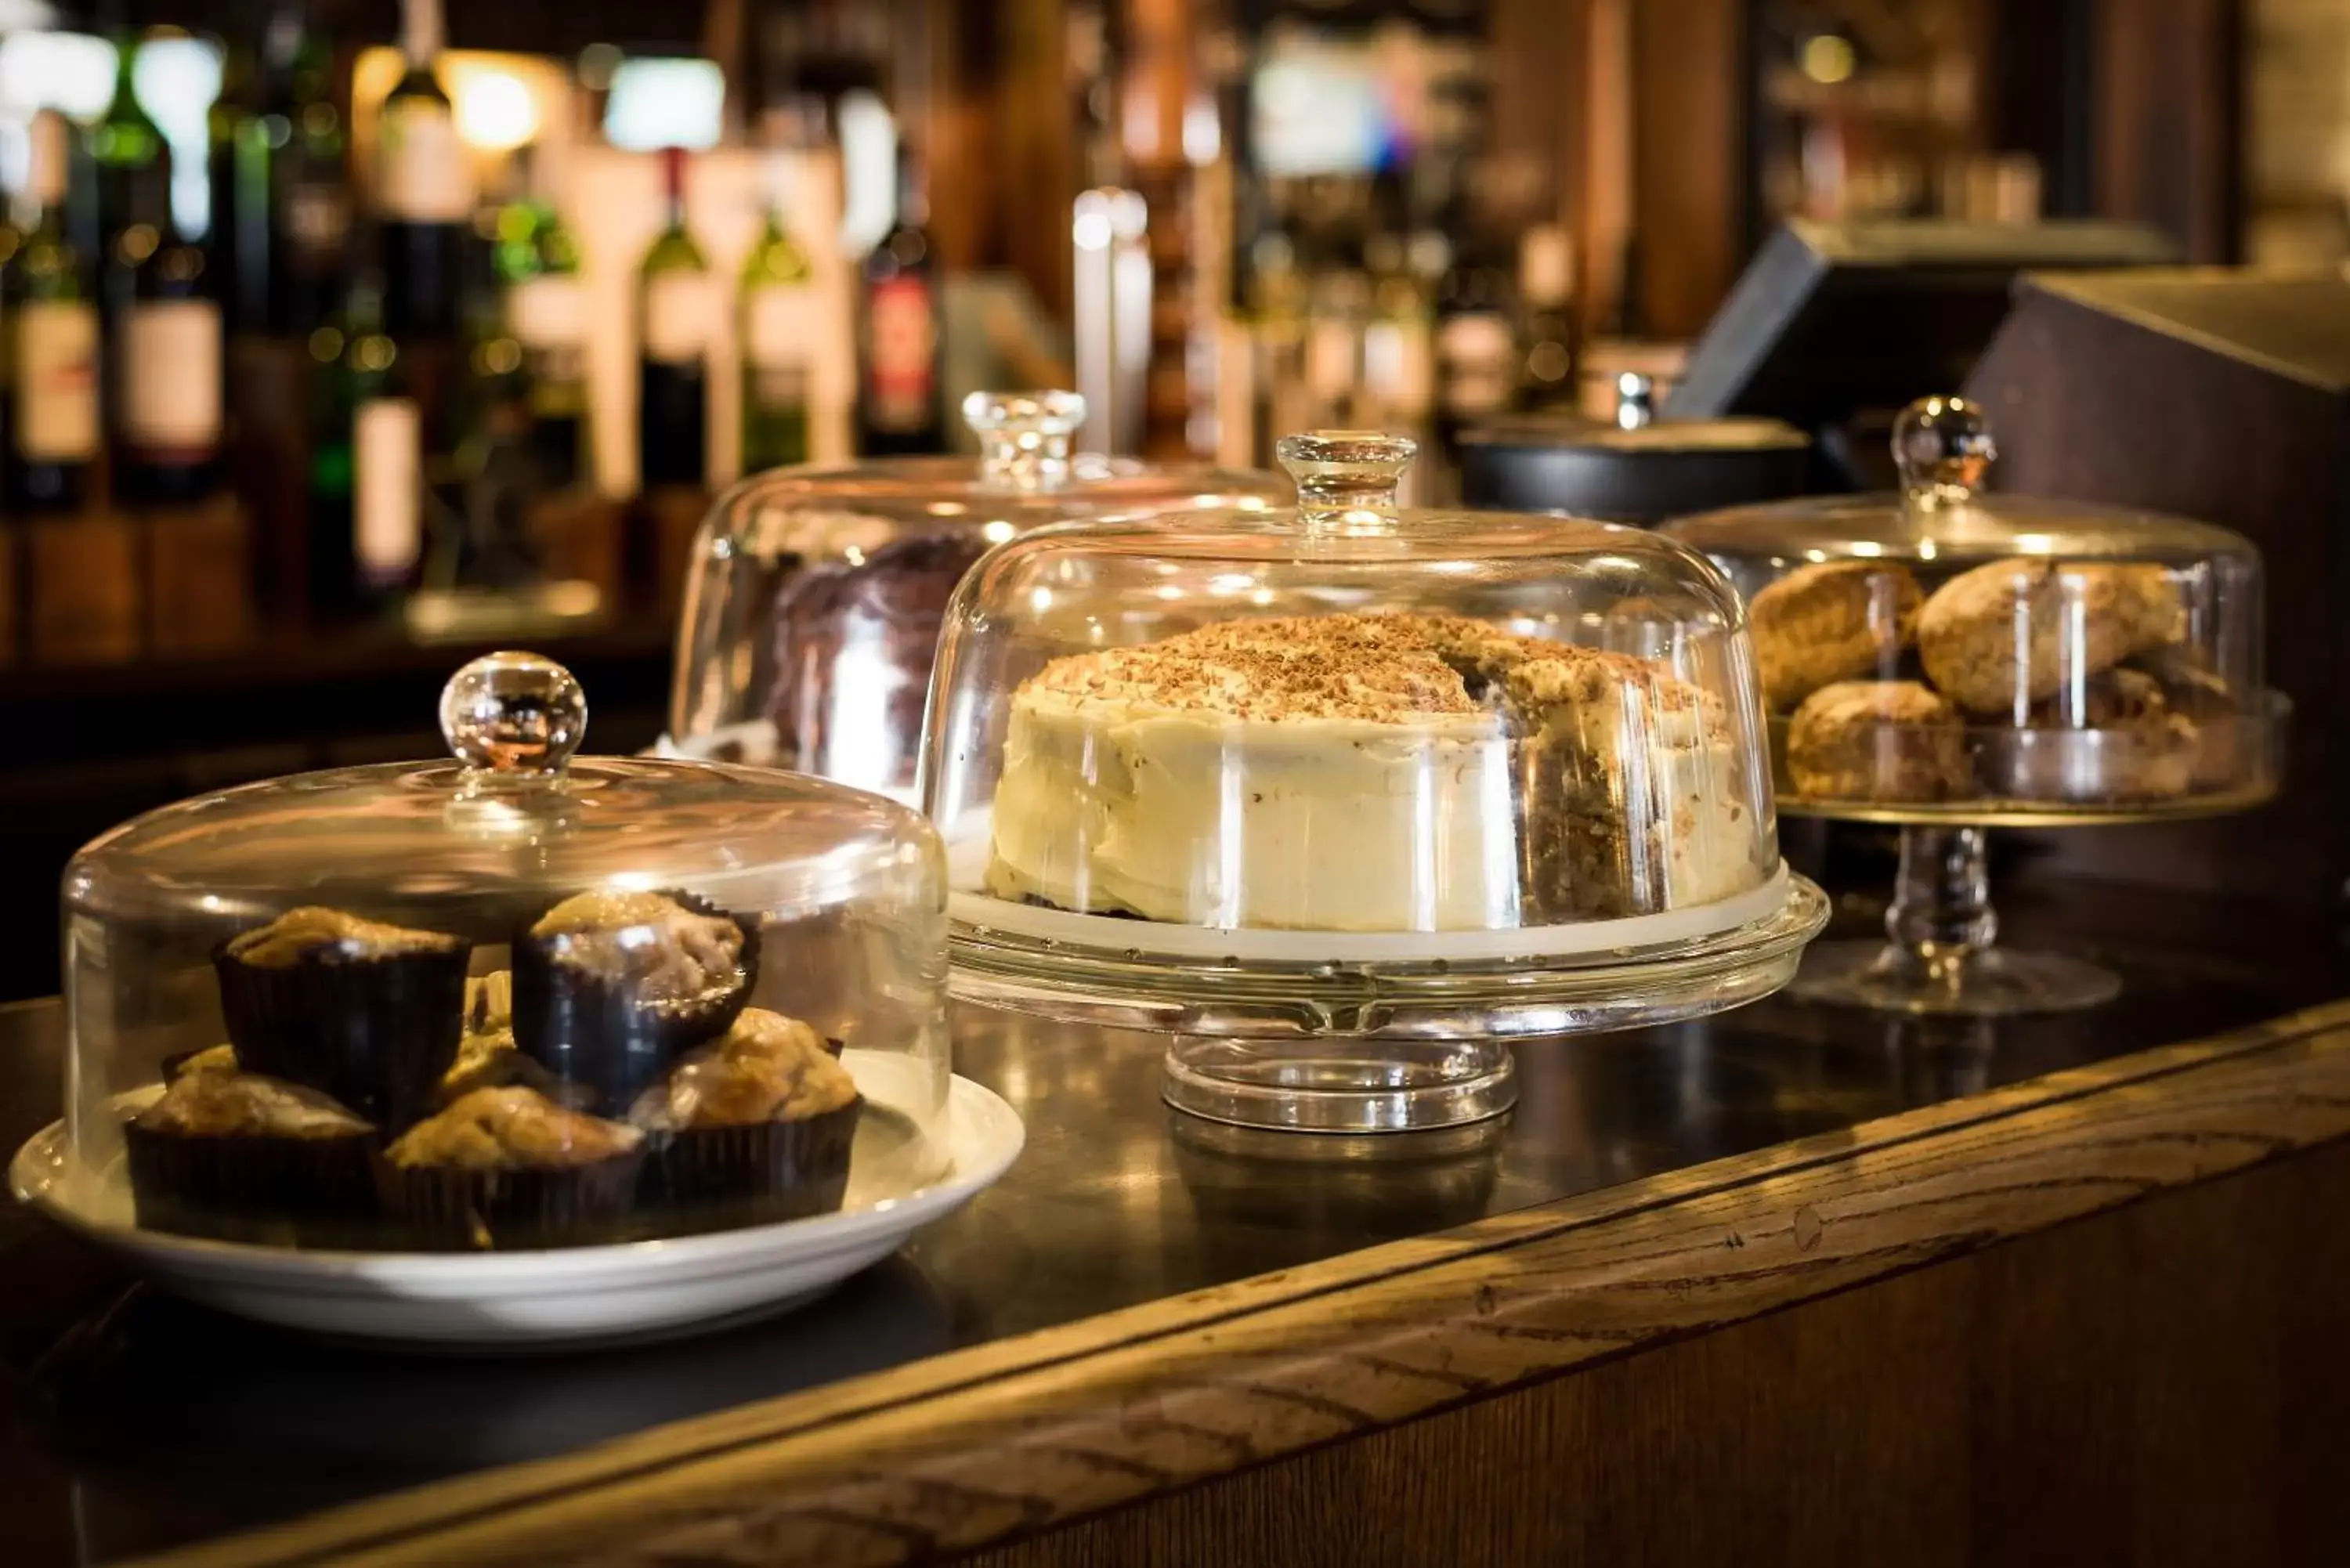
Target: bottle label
{"type": "Point", "coordinates": [56, 380]}
{"type": "Point", "coordinates": [425, 177]}
{"type": "Point", "coordinates": [317, 217]}
{"type": "Point", "coordinates": [1330, 358]}
{"type": "Point", "coordinates": [904, 330]}
{"type": "Point", "coordinates": [387, 460]}
{"type": "Point", "coordinates": [547, 312]}
{"type": "Point", "coordinates": [780, 328]}
{"type": "Point", "coordinates": [677, 317]}
{"type": "Point", "coordinates": [172, 377]}
{"type": "Point", "coordinates": [1478, 358]}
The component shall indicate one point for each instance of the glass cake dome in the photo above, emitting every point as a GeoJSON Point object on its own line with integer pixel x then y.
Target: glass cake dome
{"type": "Point", "coordinates": [1387, 781]}
{"type": "Point", "coordinates": [1947, 659]}
{"type": "Point", "coordinates": [509, 1001]}
{"type": "Point", "coordinates": [815, 594]}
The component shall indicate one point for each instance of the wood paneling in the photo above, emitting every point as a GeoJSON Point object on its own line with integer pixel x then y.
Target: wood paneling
{"type": "Point", "coordinates": [2122, 1390]}
{"type": "Point", "coordinates": [1823, 1352]}
{"type": "Point", "coordinates": [2169, 110]}
{"type": "Point", "coordinates": [1688, 187]}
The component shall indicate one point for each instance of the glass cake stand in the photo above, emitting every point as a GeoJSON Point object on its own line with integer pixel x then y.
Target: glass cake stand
{"type": "Point", "coordinates": [1349, 796]}
{"type": "Point", "coordinates": [1948, 661]}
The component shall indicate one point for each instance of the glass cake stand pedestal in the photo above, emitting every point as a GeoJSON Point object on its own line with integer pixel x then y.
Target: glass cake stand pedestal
{"type": "Point", "coordinates": [1941, 955]}
{"type": "Point", "coordinates": [1374, 1033]}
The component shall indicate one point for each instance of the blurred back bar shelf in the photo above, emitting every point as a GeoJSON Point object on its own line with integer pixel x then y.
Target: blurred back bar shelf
{"type": "Point", "coordinates": [344, 335]}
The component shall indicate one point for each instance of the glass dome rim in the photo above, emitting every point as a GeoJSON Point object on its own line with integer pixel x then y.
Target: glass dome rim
{"type": "Point", "coordinates": [1202, 526]}
{"type": "Point", "coordinates": [120, 841]}
{"type": "Point", "coordinates": [1902, 526]}
{"type": "Point", "coordinates": [960, 477]}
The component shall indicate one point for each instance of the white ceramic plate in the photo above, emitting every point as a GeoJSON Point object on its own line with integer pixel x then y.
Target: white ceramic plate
{"type": "Point", "coordinates": [549, 1298]}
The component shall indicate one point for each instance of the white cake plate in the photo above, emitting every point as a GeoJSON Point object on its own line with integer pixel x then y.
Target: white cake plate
{"type": "Point", "coordinates": [547, 1299]}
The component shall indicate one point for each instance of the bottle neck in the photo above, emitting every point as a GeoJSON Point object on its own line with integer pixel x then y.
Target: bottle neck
{"type": "Point", "coordinates": [673, 186]}
{"type": "Point", "coordinates": [126, 105]}
{"type": "Point", "coordinates": [913, 196]}
{"type": "Point", "coordinates": [420, 32]}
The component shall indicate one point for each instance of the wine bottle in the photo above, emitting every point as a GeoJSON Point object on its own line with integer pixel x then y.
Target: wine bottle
{"type": "Point", "coordinates": [167, 370]}
{"type": "Point", "coordinates": [387, 477]}
{"type": "Point", "coordinates": [53, 426]}
{"type": "Point", "coordinates": [1476, 345]}
{"type": "Point", "coordinates": [132, 163]}
{"type": "Point", "coordinates": [1546, 290]}
{"type": "Point", "coordinates": [777, 320]}
{"type": "Point", "coordinates": [897, 402]}
{"type": "Point", "coordinates": [673, 323]}
{"type": "Point", "coordinates": [424, 189]}
{"type": "Point", "coordinates": [537, 260]}
{"type": "Point", "coordinates": [226, 124]}
{"type": "Point", "coordinates": [292, 201]}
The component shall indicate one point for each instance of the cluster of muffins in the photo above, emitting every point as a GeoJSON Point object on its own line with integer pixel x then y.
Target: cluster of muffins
{"type": "Point", "coordinates": [612, 1082]}
{"type": "Point", "coordinates": [2020, 680]}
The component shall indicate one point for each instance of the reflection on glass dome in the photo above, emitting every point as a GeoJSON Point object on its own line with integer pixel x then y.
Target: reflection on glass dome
{"type": "Point", "coordinates": [813, 606]}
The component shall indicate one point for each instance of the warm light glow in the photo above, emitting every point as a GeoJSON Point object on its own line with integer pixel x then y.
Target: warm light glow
{"type": "Point", "coordinates": [657, 103]}
{"type": "Point", "coordinates": [495, 110]}
{"type": "Point", "coordinates": [70, 72]}
{"type": "Point", "coordinates": [1829, 58]}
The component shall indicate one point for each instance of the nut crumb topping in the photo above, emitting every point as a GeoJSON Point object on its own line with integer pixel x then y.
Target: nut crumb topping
{"type": "Point", "coordinates": [1388, 669]}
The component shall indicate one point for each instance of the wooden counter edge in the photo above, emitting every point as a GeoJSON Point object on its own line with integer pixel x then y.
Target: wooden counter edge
{"type": "Point", "coordinates": [992, 1444]}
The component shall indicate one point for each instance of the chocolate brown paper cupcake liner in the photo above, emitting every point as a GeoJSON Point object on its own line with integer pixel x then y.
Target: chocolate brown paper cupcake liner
{"type": "Point", "coordinates": [376, 1034]}
{"type": "Point", "coordinates": [243, 1187]}
{"type": "Point", "coordinates": [719, 1178]}
{"type": "Point", "coordinates": [441, 1208]}
{"type": "Point", "coordinates": [599, 1034]}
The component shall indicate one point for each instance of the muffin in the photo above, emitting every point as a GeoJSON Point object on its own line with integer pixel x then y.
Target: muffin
{"type": "Point", "coordinates": [610, 988]}
{"type": "Point", "coordinates": [2121, 741]}
{"type": "Point", "coordinates": [490, 1061]}
{"type": "Point", "coordinates": [1886, 741]}
{"type": "Point", "coordinates": [753, 1129]}
{"type": "Point", "coordinates": [237, 1156]}
{"type": "Point", "coordinates": [2222, 737]}
{"type": "Point", "coordinates": [489, 1002]}
{"type": "Point", "coordinates": [2005, 636]}
{"type": "Point", "coordinates": [367, 1012]}
{"type": "Point", "coordinates": [508, 1168]}
{"type": "Point", "coordinates": [1839, 620]}
{"type": "Point", "coordinates": [213, 1059]}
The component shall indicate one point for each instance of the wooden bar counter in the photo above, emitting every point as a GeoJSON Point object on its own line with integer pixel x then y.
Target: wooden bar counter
{"type": "Point", "coordinates": [1795, 1286]}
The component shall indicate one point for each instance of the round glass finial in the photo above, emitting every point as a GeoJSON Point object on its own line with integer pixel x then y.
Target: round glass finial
{"type": "Point", "coordinates": [1346, 471]}
{"type": "Point", "coordinates": [1024, 437]}
{"type": "Point", "coordinates": [1943, 449]}
{"type": "Point", "coordinates": [514, 713]}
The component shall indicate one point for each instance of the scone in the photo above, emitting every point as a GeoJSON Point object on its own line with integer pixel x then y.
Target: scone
{"type": "Point", "coordinates": [2120, 741]}
{"type": "Point", "coordinates": [2005, 636]}
{"type": "Point", "coordinates": [1888, 740]}
{"type": "Point", "coordinates": [1839, 620]}
{"type": "Point", "coordinates": [1369, 773]}
{"type": "Point", "coordinates": [2222, 736]}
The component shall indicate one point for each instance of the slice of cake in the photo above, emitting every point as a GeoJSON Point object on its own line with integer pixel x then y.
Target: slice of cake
{"type": "Point", "coordinates": [1368, 773]}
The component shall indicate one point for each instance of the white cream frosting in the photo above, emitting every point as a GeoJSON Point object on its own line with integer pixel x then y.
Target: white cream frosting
{"type": "Point", "coordinates": [1335, 775]}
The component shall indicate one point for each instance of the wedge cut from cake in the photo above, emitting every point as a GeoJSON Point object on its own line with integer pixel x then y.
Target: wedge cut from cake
{"type": "Point", "coordinates": [1383, 773]}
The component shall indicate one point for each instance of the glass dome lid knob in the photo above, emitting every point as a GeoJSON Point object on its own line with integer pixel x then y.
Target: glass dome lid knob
{"type": "Point", "coordinates": [514, 713]}
{"type": "Point", "coordinates": [1943, 449]}
{"type": "Point", "coordinates": [1024, 437]}
{"type": "Point", "coordinates": [1345, 476]}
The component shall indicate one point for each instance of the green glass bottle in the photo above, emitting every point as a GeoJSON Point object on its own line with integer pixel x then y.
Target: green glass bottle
{"type": "Point", "coordinates": [53, 428]}
{"type": "Point", "coordinates": [537, 259]}
{"type": "Point", "coordinates": [777, 320]}
{"type": "Point", "coordinates": [133, 166]}
{"type": "Point", "coordinates": [673, 327]}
